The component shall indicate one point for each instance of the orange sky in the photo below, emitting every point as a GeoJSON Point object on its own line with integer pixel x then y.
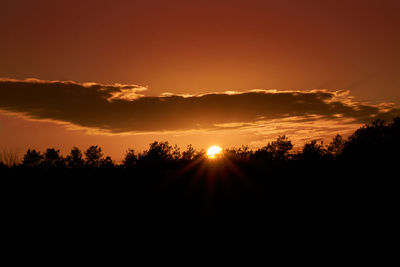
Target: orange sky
{"type": "Point", "coordinates": [198, 47]}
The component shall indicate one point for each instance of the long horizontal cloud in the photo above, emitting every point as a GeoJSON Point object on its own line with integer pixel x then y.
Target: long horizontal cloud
{"type": "Point", "coordinates": [124, 108]}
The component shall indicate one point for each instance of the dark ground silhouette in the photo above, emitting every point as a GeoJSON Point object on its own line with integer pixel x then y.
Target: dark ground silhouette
{"type": "Point", "coordinates": [346, 191]}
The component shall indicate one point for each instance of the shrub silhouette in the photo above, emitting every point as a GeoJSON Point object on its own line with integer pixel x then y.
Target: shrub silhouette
{"type": "Point", "coordinates": [9, 157]}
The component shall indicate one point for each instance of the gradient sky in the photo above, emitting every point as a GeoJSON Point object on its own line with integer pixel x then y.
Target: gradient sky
{"type": "Point", "coordinates": [346, 49]}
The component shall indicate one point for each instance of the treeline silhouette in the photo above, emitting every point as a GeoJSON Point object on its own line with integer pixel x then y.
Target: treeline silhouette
{"type": "Point", "coordinates": [344, 191]}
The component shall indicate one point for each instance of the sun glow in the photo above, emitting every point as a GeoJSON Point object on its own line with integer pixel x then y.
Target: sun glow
{"type": "Point", "coordinates": [213, 151]}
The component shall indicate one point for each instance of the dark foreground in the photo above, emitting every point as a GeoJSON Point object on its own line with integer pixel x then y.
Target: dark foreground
{"type": "Point", "coordinates": [243, 200]}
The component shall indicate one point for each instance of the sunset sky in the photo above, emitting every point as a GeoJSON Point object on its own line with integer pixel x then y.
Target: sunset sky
{"type": "Point", "coordinates": [122, 74]}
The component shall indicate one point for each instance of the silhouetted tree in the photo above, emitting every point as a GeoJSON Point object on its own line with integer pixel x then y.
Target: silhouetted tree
{"type": "Point", "coordinates": [160, 158]}
{"type": "Point", "coordinates": [276, 150]}
{"type": "Point", "coordinates": [32, 158]}
{"type": "Point", "coordinates": [130, 158]}
{"type": "Point", "coordinates": [394, 133]}
{"type": "Point", "coordinates": [336, 145]}
{"type": "Point", "coordinates": [52, 158]}
{"type": "Point", "coordinates": [281, 147]}
{"type": "Point", "coordinates": [313, 150]}
{"type": "Point", "coordinates": [176, 153]}
{"type": "Point", "coordinates": [241, 153]}
{"type": "Point", "coordinates": [189, 154]}
{"type": "Point", "coordinates": [375, 142]}
{"type": "Point", "coordinates": [74, 159]}
{"type": "Point", "coordinates": [107, 162]}
{"type": "Point", "coordinates": [395, 124]}
{"type": "Point", "coordinates": [158, 151]}
{"type": "Point", "coordinates": [370, 135]}
{"type": "Point", "coordinates": [94, 156]}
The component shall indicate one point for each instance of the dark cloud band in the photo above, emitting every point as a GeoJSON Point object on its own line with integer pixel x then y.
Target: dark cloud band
{"type": "Point", "coordinates": [124, 108]}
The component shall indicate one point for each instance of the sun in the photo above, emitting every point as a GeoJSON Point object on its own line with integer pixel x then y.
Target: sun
{"type": "Point", "coordinates": [213, 151]}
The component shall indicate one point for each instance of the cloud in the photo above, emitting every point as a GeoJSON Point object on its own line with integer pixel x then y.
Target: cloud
{"type": "Point", "coordinates": [122, 108]}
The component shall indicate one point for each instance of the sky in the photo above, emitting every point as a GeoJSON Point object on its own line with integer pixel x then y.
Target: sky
{"type": "Point", "coordinates": [121, 74]}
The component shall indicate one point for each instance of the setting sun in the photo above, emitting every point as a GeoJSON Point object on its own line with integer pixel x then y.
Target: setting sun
{"type": "Point", "coordinates": [213, 151]}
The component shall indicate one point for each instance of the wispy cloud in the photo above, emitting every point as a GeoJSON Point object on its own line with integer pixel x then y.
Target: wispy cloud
{"type": "Point", "coordinates": [120, 109]}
